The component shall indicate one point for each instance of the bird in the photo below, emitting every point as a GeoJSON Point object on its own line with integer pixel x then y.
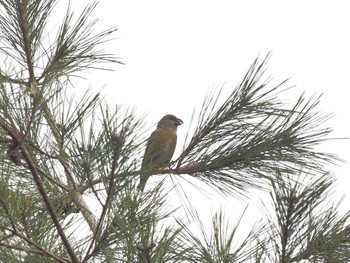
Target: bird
{"type": "Point", "coordinates": [160, 147]}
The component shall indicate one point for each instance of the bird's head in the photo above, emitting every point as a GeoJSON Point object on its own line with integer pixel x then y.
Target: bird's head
{"type": "Point", "coordinates": [169, 122]}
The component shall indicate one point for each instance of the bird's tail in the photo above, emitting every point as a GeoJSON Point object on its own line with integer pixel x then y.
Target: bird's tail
{"type": "Point", "coordinates": [143, 180]}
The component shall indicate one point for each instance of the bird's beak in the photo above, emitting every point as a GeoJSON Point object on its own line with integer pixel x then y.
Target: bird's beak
{"type": "Point", "coordinates": [178, 122]}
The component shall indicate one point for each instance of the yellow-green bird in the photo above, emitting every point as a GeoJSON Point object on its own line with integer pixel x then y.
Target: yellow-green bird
{"type": "Point", "coordinates": [160, 147]}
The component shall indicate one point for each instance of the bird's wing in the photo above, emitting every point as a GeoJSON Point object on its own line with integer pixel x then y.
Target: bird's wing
{"type": "Point", "coordinates": [160, 149]}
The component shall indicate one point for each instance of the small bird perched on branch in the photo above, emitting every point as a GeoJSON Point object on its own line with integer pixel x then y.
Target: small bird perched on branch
{"type": "Point", "coordinates": [160, 147]}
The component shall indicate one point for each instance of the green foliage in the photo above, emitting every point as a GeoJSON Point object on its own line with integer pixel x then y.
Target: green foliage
{"type": "Point", "coordinates": [70, 166]}
{"type": "Point", "coordinates": [252, 134]}
{"type": "Point", "coordinates": [221, 245]}
{"type": "Point", "coordinates": [304, 226]}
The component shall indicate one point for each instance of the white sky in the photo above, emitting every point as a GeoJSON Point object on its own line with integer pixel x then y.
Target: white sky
{"type": "Point", "coordinates": [175, 51]}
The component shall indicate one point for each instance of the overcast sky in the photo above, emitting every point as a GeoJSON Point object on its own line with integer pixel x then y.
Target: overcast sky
{"type": "Point", "coordinates": [175, 51]}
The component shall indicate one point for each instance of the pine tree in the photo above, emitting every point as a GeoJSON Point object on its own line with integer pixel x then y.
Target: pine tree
{"type": "Point", "coordinates": [57, 152]}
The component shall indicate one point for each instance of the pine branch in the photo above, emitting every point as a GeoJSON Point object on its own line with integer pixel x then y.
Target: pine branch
{"type": "Point", "coordinates": [39, 250]}
{"type": "Point", "coordinates": [46, 199]}
{"type": "Point", "coordinates": [6, 79]}
{"type": "Point", "coordinates": [74, 48]}
{"type": "Point", "coordinates": [18, 207]}
{"type": "Point", "coordinates": [23, 23]}
{"type": "Point", "coordinates": [21, 29]}
{"type": "Point", "coordinates": [243, 140]}
{"type": "Point", "coordinates": [220, 246]}
{"type": "Point", "coordinates": [56, 158]}
{"type": "Point", "coordinates": [302, 228]}
{"type": "Point", "coordinates": [328, 238]}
